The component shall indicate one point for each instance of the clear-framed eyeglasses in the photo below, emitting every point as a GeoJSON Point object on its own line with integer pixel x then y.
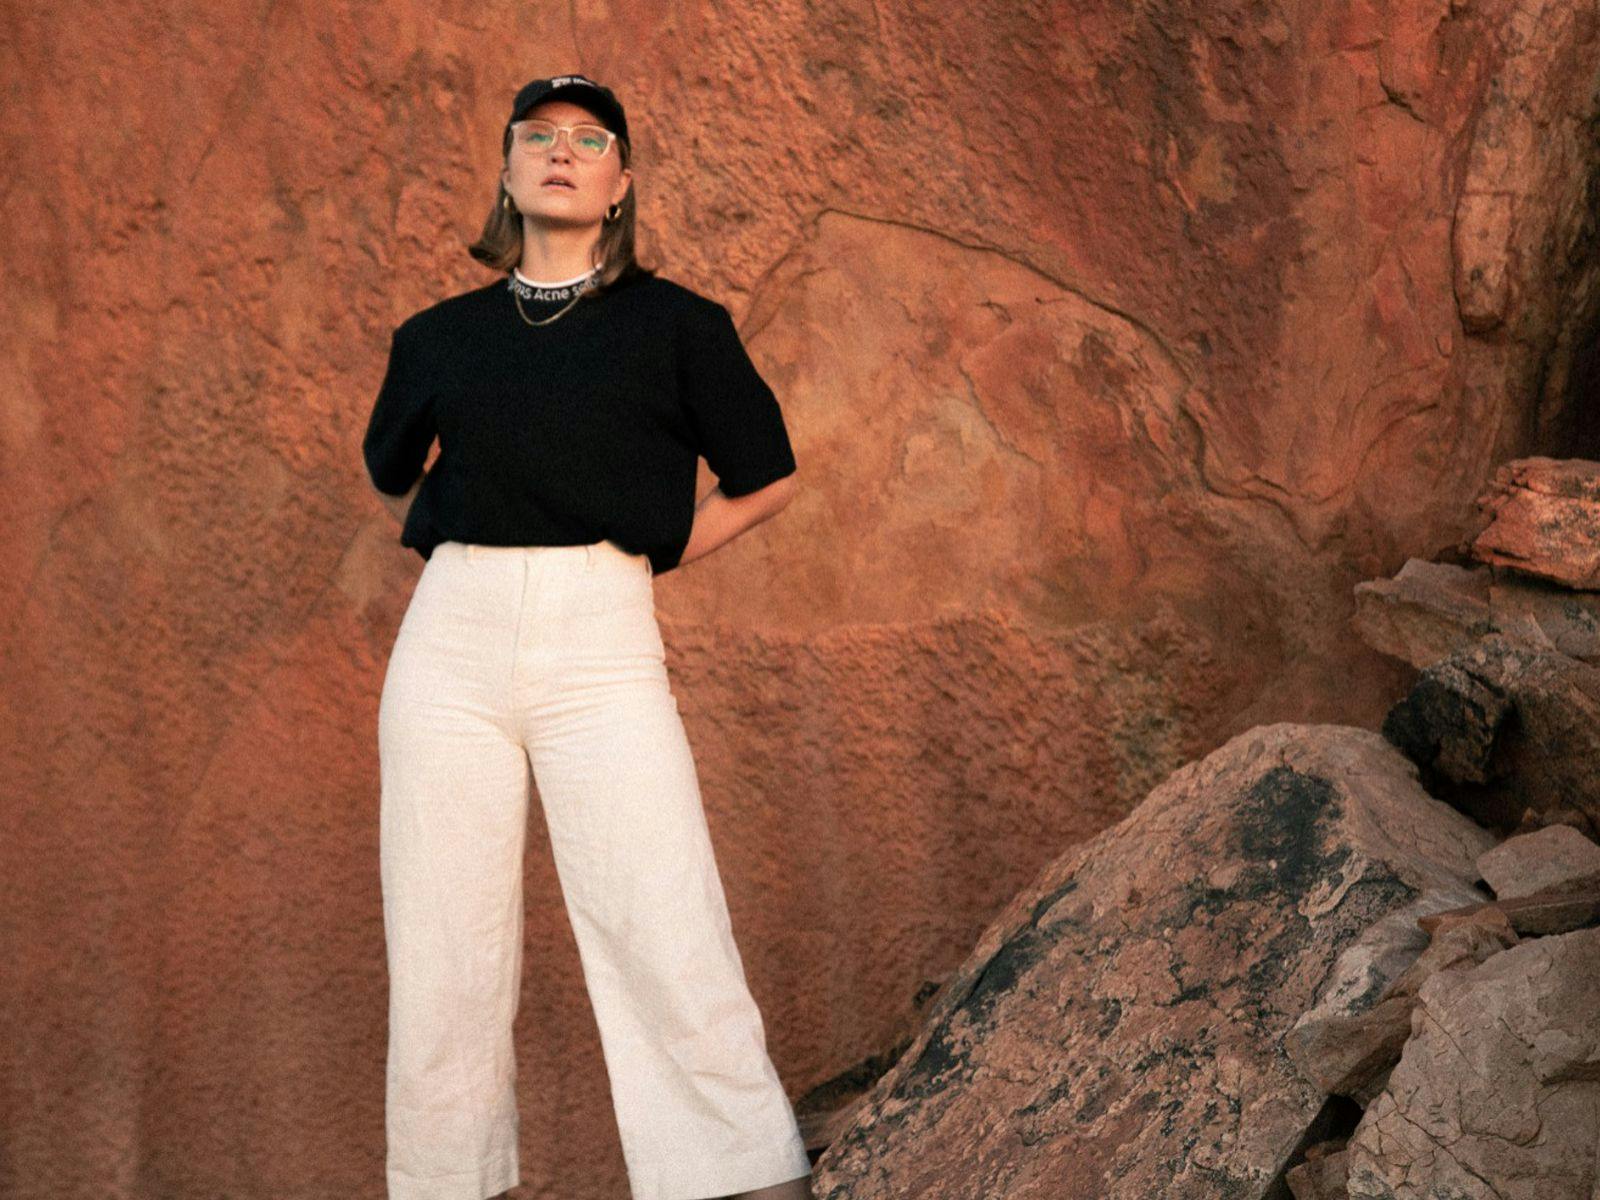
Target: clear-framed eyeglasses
{"type": "Point", "coordinates": [589, 142]}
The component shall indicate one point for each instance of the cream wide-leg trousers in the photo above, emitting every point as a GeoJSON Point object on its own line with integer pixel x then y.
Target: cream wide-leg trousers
{"type": "Point", "coordinates": [550, 657]}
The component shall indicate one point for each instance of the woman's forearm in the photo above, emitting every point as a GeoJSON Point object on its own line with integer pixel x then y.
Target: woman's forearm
{"type": "Point", "coordinates": [398, 506]}
{"type": "Point", "coordinates": [719, 519]}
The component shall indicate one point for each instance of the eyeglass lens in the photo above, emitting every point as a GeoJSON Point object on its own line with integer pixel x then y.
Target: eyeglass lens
{"type": "Point", "coordinates": [587, 141]}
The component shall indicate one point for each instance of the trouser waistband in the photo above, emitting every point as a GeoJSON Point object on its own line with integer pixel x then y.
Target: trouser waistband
{"type": "Point", "coordinates": [589, 553]}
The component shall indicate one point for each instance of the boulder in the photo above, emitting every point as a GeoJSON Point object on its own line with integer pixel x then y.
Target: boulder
{"type": "Point", "coordinates": [1119, 1031]}
{"type": "Point", "coordinates": [1545, 520]}
{"type": "Point", "coordinates": [1508, 733]}
{"type": "Point", "coordinates": [1497, 1094]}
{"type": "Point", "coordinates": [1531, 862]}
{"type": "Point", "coordinates": [1347, 1044]}
{"type": "Point", "coordinates": [1430, 610]}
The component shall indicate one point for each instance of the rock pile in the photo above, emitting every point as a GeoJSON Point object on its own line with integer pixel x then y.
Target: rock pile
{"type": "Point", "coordinates": [1319, 962]}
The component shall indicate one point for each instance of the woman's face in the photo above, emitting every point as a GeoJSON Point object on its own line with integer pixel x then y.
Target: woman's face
{"type": "Point", "coordinates": [596, 185]}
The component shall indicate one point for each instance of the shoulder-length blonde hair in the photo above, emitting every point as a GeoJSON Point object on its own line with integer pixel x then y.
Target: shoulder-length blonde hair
{"type": "Point", "coordinates": [500, 243]}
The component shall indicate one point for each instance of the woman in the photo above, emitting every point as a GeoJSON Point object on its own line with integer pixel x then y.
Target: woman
{"type": "Point", "coordinates": [571, 400]}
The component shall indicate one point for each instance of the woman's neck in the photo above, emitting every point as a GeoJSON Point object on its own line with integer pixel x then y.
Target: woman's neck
{"type": "Point", "coordinates": [555, 255]}
{"type": "Point", "coordinates": [552, 283]}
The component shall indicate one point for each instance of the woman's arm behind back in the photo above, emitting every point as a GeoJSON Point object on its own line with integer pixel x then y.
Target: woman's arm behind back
{"type": "Point", "coordinates": [398, 506]}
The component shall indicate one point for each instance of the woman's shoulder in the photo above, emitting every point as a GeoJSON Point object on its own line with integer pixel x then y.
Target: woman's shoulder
{"type": "Point", "coordinates": [453, 309]}
{"type": "Point", "coordinates": [442, 321]}
{"type": "Point", "coordinates": [661, 289]}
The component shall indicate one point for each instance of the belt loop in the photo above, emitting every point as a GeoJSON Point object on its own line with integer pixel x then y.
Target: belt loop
{"type": "Point", "coordinates": [472, 550]}
{"type": "Point", "coordinates": [588, 556]}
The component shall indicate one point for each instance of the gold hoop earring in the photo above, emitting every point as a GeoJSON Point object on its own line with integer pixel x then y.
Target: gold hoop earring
{"type": "Point", "coordinates": [505, 202]}
{"type": "Point", "coordinates": [613, 212]}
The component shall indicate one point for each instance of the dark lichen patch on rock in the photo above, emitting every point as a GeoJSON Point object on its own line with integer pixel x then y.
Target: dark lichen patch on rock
{"type": "Point", "coordinates": [1110, 1009]}
{"type": "Point", "coordinates": [1283, 821]}
{"type": "Point", "coordinates": [1013, 960]}
{"type": "Point", "coordinates": [935, 1068]}
{"type": "Point", "coordinates": [942, 1059]}
{"type": "Point", "coordinates": [1048, 900]}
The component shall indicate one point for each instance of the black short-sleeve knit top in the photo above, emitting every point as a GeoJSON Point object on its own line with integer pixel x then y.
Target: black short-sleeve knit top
{"type": "Point", "coordinates": [584, 429]}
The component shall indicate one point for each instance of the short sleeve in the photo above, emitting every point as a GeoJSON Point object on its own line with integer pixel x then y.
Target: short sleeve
{"type": "Point", "coordinates": [401, 427]}
{"type": "Point", "coordinates": [736, 418]}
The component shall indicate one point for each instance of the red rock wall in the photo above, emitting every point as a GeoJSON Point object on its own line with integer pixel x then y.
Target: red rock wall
{"type": "Point", "coordinates": [1118, 341]}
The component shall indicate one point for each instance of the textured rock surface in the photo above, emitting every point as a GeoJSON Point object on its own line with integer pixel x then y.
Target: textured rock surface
{"type": "Point", "coordinates": [1497, 1094]}
{"type": "Point", "coordinates": [1134, 334]}
{"type": "Point", "coordinates": [1546, 520]}
{"type": "Point", "coordinates": [1426, 611]}
{"type": "Point", "coordinates": [1118, 1031]}
{"type": "Point", "coordinates": [1321, 1176]}
{"type": "Point", "coordinates": [1508, 733]}
{"type": "Point", "coordinates": [1429, 610]}
{"type": "Point", "coordinates": [1348, 1043]}
{"type": "Point", "coordinates": [1548, 857]}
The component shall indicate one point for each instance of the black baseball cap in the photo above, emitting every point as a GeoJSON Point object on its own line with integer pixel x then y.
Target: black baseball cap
{"type": "Point", "coordinates": [580, 89]}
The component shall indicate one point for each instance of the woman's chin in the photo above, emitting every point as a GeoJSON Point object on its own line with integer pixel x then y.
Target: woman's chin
{"type": "Point", "coordinates": [561, 214]}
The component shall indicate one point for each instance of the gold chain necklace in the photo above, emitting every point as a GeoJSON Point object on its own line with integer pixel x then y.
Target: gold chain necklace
{"type": "Point", "coordinates": [516, 295]}
{"type": "Point", "coordinates": [545, 321]}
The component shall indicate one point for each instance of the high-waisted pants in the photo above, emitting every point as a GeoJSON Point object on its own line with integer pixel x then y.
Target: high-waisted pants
{"type": "Point", "coordinates": [550, 657]}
